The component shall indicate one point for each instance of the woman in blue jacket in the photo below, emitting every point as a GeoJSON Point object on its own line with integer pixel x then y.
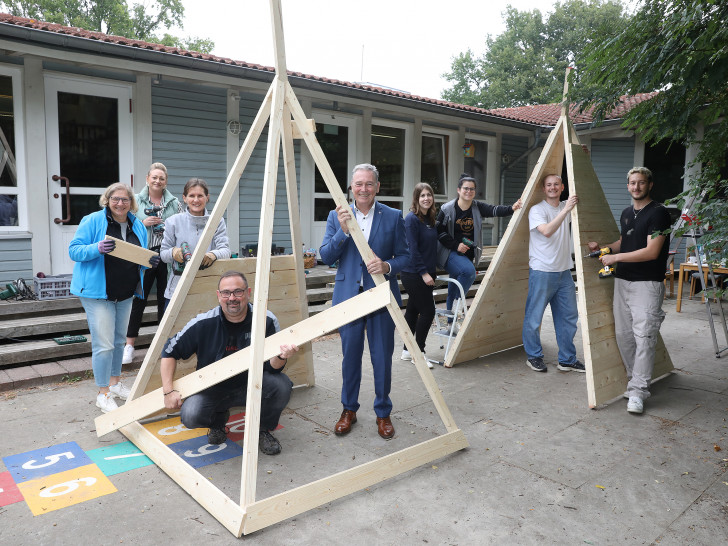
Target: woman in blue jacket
{"type": "Point", "coordinates": [106, 285]}
{"type": "Point", "coordinates": [418, 276]}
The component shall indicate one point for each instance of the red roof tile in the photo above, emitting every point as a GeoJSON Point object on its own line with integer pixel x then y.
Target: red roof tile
{"type": "Point", "coordinates": [542, 114]}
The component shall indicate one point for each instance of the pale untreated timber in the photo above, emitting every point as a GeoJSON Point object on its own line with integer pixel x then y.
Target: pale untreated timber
{"type": "Point", "coordinates": [131, 253]}
{"type": "Point", "coordinates": [306, 330]}
{"type": "Point", "coordinates": [285, 505]}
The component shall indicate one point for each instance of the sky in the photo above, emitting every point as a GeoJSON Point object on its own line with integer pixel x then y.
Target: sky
{"type": "Point", "coordinates": [404, 44]}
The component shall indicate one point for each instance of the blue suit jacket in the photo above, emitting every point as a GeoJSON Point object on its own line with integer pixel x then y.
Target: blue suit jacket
{"type": "Point", "coordinates": [387, 240]}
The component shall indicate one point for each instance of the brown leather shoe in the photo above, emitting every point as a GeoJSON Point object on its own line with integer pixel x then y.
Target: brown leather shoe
{"type": "Point", "coordinates": [385, 427]}
{"type": "Point", "coordinates": [343, 425]}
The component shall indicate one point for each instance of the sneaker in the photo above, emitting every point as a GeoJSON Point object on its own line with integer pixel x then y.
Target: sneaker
{"type": "Point", "coordinates": [128, 354]}
{"type": "Point", "coordinates": [537, 364]}
{"type": "Point", "coordinates": [216, 436]}
{"type": "Point", "coordinates": [405, 355]}
{"type": "Point", "coordinates": [635, 405]}
{"type": "Point", "coordinates": [576, 366]}
{"type": "Point", "coordinates": [429, 364]}
{"type": "Point", "coordinates": [626, 395]}
{"type": "Point", "coordinates": [106, 402]}
{"type": "Point", "coordinates": [120, 390]}
{"type": "Point", "coordinates": [268, 443]}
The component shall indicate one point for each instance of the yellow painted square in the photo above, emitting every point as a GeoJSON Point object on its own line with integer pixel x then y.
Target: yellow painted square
{"type": "Point", "coordinates": [171, 431]}
{"type": "Point", "coordinates": [65, 489]}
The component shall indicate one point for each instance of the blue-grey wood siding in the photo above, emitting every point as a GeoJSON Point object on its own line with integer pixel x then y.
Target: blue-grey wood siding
{"type": "Point", "coordinates": [516, 176]}
{"type": "Point", "coordinates": [612, 159]}
{"type": "Point", "coordinates": [189, 128]}
{"type": "Point", "coordinates": [251, 184]}
{"type": "Point", "coordinates": [15, 261]}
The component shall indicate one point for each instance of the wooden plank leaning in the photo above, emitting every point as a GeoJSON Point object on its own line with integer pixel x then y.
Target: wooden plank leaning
{"type": "Point", "coordinates": [300, 333]}
{"type": "Point", "coordinates": [131, 253]}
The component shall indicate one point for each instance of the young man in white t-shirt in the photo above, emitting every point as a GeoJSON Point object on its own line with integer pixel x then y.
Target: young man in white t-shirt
{"type": "Point", "coordinates": [549, 277]}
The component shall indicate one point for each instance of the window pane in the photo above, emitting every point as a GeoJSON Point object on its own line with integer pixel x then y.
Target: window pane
{"type": "Point", "coordinates": [88, 139]}
{"type": "Point", "coordinates": [334, 141]}
{"type": "Point", "coordinates": [388, 158]}
{"type": "Point", "coordinates": [666, 160]}
{"type": "Point", "coordinates": [8, 210]}
{"type": "Point", "coordinates": [8, 176]}
{"type": "Point", "coordinates": [322, 208]}
{"type": "Point", "coordinates": [476, 165]}
{"type": "Point", "coordinates": [433, 162]}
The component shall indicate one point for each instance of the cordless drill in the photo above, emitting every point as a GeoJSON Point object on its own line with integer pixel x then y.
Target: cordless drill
{"type": "Point", "coordinates": [178, 268]}
{"type": "Point", "coordinates": [605, 271]}
{"type": "Point", "coordinates": [154, 210]}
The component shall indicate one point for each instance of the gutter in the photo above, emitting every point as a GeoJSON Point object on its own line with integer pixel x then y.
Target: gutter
{"type": "Point", "coordinates": [57, 41]}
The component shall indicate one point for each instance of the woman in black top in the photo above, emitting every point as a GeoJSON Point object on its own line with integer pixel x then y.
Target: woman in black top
{"type": "Point", "coordinates": [418, 277]}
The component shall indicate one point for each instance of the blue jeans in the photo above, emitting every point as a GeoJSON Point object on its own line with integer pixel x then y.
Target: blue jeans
{"type": "Point", "coordinates": [107, 322]}
{"type": "Point", "coordinates": [555, 289]}
{"type": "Point", "coordinates": [461, 269]}
{"type": "Point", "coordinates": [209, 408]}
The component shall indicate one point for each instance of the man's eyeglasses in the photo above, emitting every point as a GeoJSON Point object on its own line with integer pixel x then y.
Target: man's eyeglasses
{"type": "Point", "coordinates": [123, 200]}
{"type": "Point", "coordinates": [465, 188]}
{"type": "Point", "coordinates": [225, 294]}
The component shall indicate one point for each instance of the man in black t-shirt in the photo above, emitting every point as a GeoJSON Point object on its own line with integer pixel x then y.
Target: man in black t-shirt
{"type": "Point", "coordinates": [212, 336]}
{"type": "Point", "coordinates": [640, 255]}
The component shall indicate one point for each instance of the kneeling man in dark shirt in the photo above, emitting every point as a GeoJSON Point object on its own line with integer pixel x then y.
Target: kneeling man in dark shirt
{"type": "Point", "coordinates": [212, 336]}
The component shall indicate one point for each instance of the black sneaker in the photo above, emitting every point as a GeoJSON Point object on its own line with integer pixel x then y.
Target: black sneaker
{"type": "Point", "coordinates": [268, 443]}
{"type": "Point", "coordinates": [576, 366]}
{"type": "Point", "coordinates": [536, 364]}
{"type": "Point", "coordinates": [216, 436]}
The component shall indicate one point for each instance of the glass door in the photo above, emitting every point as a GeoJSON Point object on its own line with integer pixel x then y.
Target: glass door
{"type": "Point", "coordinates": [89, 147]}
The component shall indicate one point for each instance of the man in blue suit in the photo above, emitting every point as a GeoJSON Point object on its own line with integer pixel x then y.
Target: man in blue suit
{"type": "Point", "coordinates": [383, 228]}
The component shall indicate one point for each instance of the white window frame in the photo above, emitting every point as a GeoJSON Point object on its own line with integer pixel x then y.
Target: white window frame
{"type": "Point", "coordinates": [452, 168]}
{"type": "Point", "coordinates": [21, 189]}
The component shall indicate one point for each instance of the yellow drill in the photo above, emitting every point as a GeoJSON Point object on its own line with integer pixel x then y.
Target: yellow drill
{"type": "Point", "coordinates": [605, 271]}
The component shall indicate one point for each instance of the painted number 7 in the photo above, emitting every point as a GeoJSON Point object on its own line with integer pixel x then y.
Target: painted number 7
{"type": "Point", "coordinates": [52, 459]}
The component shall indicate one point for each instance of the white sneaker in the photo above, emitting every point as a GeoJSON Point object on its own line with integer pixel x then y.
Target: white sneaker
{"type": "Point", "coordinates": [429, 364]}
{"type": "Point", "coordinates": [128, 354]}
{"type": "Point", "coordinates": [120, 390]}
{"type": "Point", "coordinates": [635, 405]}
{"type": "Point", "coordinates": [405, 355]}
{"type": "Point", "coordinates": [106, 402]}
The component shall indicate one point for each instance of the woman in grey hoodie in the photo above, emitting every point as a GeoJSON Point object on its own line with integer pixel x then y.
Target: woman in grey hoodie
{"type": "Point", "coordinates": [187, 227]}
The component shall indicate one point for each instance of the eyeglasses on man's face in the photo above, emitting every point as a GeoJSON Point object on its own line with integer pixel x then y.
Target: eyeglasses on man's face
{"type": "Point", "coordinates": [123, 200]}
{"type": "Point", "coordinates": [468, 188]}
{"type": "Point", "coordinates": [238, 293]}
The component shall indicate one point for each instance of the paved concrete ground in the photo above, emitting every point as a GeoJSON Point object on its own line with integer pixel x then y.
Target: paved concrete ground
{"type": "Point", "coordinates": [542, 467]}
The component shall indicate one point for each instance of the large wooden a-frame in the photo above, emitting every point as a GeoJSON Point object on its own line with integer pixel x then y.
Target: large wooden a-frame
{"type": "Point", "coordinates": [495, 317]}
{"type": "Point", "coordinates": [281, 108]}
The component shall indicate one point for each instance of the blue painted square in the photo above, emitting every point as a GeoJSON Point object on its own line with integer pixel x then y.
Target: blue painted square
{"type": "Point", "coordinates": [38, 463]}
{"type": "Point", "coordinates": [119, 458]}
{"type": "Point", "coordinates": [198, 453]}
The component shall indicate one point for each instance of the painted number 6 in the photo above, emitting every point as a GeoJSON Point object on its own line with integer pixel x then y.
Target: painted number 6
{"type": "Point", "coordinates": [66, 487]}
{"type": "Point", "coordinates": [52, 459]}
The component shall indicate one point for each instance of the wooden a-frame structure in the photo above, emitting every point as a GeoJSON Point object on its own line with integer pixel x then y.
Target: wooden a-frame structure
{"type": "Point", "coordinates": [494, 320]}
{"type": "Point", "coordinates": [285, 114]}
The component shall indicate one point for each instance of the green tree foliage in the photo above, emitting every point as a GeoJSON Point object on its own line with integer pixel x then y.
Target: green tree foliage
{"type": "Point", "coordinates": [141, 21]}
{"type": "Point", "coordinates": [526, 63]}
{"type": "Point", "coordinates": [679, 48]}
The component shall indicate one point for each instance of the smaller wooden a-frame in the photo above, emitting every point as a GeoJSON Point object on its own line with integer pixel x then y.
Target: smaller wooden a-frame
{"type": "Point", "coordinates": [494, 320]}
{"type": "Point", "coordinates": [283, 112]}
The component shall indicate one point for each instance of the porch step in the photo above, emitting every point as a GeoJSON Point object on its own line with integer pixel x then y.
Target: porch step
{"type": "Point", "coordinates": [61, 323]}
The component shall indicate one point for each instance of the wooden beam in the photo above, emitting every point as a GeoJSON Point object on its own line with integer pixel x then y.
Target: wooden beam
{"type": "Point", "coordinates": [279, 47]}
{"type": "Point", "coordinates": [303, 332]}
{"type": "Point", "coordinates": [262, 283]}
{"type": "Point", "coordinates": [175, 304]}
{"type": "Point", "coordinates": [290, 503]}
{"type": "Point", "coordinates": [294, 221]}
{"type": "Point", "coordinates": [131, 253]}
{"type": "Point", "coordinates": [224, 510]}
{"type": "Point", "coordinates": [296, 134]}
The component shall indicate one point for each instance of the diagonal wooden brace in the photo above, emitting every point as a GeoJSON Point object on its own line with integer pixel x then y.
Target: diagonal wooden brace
{"type": "Point", "coordinates": [306, 330]}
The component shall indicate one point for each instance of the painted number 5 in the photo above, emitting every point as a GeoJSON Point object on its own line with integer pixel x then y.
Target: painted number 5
{"type": "Point", "coordinates": [52, 459]}
{"type": "Point", "coordinates": [66, 487]}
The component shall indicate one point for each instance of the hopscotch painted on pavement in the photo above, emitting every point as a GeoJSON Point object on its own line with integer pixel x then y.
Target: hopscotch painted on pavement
{"type": "Point", "coordinates": [55, 477]}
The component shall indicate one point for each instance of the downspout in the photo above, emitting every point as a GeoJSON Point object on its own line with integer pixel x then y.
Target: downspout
{"type": "Point", "coordinates": [506, 168]}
